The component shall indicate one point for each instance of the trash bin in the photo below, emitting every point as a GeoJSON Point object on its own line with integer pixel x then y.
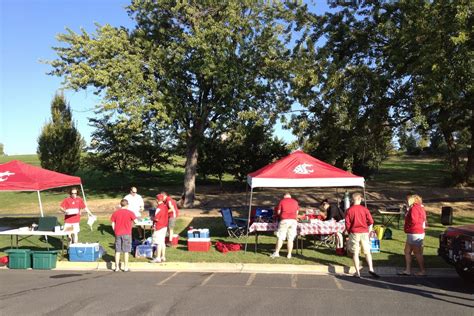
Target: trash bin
{"type": "Point", "coordinates": [44, 260]}
{"type": "Point", "coordinates": [447, 215]}
{"type": "Point", "coordinates": [19, 258]}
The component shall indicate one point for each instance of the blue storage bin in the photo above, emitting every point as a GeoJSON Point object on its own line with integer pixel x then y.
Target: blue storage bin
{"type": "Point", "coordinates": [199, 233]}
{"type": "Point", "coordinates": [144, 251]}
{"type": "Point", "coordinates": [84, 252]}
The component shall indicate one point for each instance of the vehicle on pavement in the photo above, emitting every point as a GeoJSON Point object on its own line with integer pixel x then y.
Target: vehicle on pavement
{"type": "Point", "coordinates": [456, 247]}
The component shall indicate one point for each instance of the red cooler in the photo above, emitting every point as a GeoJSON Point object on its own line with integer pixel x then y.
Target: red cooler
{"type": "Point", "coordinates": [199, 244]}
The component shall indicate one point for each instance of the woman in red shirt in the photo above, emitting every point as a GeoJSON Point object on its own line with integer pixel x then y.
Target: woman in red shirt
{"type": "Point", "coordinates": [415, 222]}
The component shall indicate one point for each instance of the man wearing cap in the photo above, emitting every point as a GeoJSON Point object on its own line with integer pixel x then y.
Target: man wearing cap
{"type": "Point", "coordinates": [136, 205]}
{"type": "Point", "coordinates": [160, 226]}
{"type": "Point", "coordinates": [72, 207]}
{"type": "Point", "coordinates": [173, 212]}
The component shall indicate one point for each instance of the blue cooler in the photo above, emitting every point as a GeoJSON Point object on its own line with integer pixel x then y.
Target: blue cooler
{"type": "Point", "coordinates": [84, 252]}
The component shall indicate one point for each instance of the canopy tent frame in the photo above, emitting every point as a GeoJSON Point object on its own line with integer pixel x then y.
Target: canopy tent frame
{"type": "Point", "coordinates": [277, 175]}
{"type": "Point", "coordinates": [35, 179]}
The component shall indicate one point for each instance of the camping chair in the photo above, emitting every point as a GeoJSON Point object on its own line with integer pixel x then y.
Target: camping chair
{"type": "Point", "coordinates": [236, 227]}
{"type": "Point", "coordinates": [263, 215]}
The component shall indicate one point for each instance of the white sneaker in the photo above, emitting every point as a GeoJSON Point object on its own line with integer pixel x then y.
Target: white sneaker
{"type": "Point", "coordinates": [163, 259]}
{"type": "Point", "coordinates": [288, 256]}
{"type": "Point", "coordinates": [156, 260]}
{"type": "Point", "coordinates": [274, 255]}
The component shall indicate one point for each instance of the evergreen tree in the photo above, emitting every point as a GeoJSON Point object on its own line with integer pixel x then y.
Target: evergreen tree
{"type": "Point", "coordinates": [60, 144]}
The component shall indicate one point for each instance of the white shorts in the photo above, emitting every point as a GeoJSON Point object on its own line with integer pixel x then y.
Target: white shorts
{"type": "Point", "coordinates": [75, 228]}
{"type": "Point", "coordinates": [159, 236]}
{"type": "Point", "coordinates": [356, 240]}
{"type": "Point", "coordinates": [415, 239]}
{"type": "Point", "coordinates": [287, 229]}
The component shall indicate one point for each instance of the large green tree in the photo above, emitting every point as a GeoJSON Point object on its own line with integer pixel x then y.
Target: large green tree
{"type": "Point", "coordinates": [189, 64]}
{"type": "Point", "coordinates": [60, 144]}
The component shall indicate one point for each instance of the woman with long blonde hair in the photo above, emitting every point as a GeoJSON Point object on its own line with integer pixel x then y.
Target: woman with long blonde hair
{"type": "Point", "coordinates": [415, 223]}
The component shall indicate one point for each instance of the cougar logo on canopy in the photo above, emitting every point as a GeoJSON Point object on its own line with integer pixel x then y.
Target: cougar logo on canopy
{"type": "Point", "coordinates": [4, 175]}
{"type": "Point", "coordinates": [303, 169]}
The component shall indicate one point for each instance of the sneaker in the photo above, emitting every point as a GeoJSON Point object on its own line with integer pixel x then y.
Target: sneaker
{"type": "Point", "coordinates": [156, 260]}
{"type": "Point", "coordinates": [163, 259]}
{"type": "Point", "coordinates": [288, 256]}
{"type": "Point", "coordinates": [274, 255]}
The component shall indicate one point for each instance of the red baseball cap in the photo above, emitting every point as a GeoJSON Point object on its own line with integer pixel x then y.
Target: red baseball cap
{"type": "Point", "coordinates": [160, 197]}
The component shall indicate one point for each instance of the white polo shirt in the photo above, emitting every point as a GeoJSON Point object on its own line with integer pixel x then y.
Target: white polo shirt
{"type": "Point", "coordinates": [135, 203]}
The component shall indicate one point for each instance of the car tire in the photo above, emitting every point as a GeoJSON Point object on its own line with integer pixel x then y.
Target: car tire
{"type": "Point", "coordinates": [465, 273]}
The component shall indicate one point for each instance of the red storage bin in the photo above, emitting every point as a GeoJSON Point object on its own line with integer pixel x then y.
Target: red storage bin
{"type": "Point", "coordinates": [199, 244]}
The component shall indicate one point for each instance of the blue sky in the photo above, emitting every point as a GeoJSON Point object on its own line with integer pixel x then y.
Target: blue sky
{"type": "Point", "coordinates": [27, 33]}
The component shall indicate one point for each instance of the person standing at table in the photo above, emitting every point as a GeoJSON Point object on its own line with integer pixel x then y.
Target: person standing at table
{"type": "Point", "coordinates": [173, 212]}
{"type": "Point", "coordinates": [136, 205]}
{"type": "Point", "coordinates": [415, 222]}
{"type": "Point", "coordinates": [358, 220]}
{"type": "Point", "coordinates": [160, 226]}
{"type": "Point", "coordinates": [122, 220]}
{"type": "Point", "coordinates": [287, 211]}
{"type": "Point", "coordinates": [335, 213]}
{"type": "Point", "coordinates": [72, 207]}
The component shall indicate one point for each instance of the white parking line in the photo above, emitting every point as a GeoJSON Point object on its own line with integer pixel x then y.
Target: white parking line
{"type": "Point", "coordinates": [167, 279]}
{"type": "Point", "coordinates": [294, 279]}
{"type": "Point", "coordinates": [204, 282]}
{"type": "Point", "coordinates": [338, 284]}
{"type": "Point", "coordinates": [250, 280]}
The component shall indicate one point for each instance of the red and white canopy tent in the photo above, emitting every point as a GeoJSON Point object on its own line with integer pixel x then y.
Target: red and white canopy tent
{"type": "Point", "coordinates": [300, 170]}
{"type": "Point", "coordinates": [19, 176]}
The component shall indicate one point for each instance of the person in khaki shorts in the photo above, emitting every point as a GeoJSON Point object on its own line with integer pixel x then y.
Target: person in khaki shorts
{"type": "Point", "coordinates": [358, 220]}
{"type": "Point", "coordinates": [287, 210]}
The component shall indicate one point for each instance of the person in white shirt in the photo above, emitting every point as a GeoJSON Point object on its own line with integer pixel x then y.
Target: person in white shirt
{"type": "Point", "coordinates": [136, 205]}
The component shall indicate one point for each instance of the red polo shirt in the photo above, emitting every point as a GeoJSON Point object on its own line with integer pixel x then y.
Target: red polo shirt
{"type": "Point", "coordinates": [161, 216]}
{"type": "Point", "coordinates": [288, 208]}
{"type": "Point", "coordinates": [71, 202]}
{"type": "Point", "coordinates": [123, 219]}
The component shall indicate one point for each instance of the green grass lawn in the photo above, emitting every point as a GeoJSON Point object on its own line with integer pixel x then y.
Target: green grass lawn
{"type": "Point", "coordinates": [391, 250]}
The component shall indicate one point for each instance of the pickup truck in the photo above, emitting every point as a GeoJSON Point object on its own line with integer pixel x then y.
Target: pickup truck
{"type": "Point", "coordinates": [456, 247]}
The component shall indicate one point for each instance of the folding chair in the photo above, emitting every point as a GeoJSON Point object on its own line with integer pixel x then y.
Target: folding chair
{"type": "Point", "coordinates": [263, 215]}
{"type": "Point", "coordinates": [236, 227]}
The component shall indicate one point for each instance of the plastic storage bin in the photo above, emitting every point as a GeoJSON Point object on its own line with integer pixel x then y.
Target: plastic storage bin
{"type": "Point", "coordinates": [44, 260]}
{"type": "Point", "coordinates": [199, 233]}
{"type": "Point", "coordinates": [19, 258]}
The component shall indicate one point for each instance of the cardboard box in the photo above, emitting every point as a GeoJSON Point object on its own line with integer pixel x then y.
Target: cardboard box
{"type": "Point", "coordinates": [84, 252]}
{"type": "Point", "coordinates": [199, 244]}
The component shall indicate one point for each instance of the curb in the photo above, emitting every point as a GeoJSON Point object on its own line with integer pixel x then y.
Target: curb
{"type": "Point", "coordinates": [239, 268]}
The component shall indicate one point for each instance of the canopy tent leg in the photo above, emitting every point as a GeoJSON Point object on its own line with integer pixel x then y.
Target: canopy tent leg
{"type": "Point", "coordinates": [365, 200]}
{"type": "Point", "coordinates": [84, 196]}
{"type": "Point", "coordinates": [248, 220]}
{"type": "Point", "coordinates": [41, 205]}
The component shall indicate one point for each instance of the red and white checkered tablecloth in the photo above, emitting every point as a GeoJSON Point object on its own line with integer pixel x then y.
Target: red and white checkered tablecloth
{"type": "Point", "coordinates": [321, 228]}
{"type": "Point", "coordinates": [315, 228]}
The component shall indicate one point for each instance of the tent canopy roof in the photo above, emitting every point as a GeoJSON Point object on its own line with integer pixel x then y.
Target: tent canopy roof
{"type": "Point", "coordinates": [19, 176]}
{"type": "Point", "coordinates": [299, 169]}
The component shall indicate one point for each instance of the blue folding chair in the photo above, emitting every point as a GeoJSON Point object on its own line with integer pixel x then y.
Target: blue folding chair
{"type": "Point", "coordinates": [263, 215]}
{"type": "Point", "coordinates": [236, 227]}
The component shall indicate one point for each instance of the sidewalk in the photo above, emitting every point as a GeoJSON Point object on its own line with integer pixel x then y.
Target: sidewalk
{"type": "Point", "coordinates": [238, 268]}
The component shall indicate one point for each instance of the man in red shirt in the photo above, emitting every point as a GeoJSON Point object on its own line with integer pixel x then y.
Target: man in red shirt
{"type": "Point", "coordinates": [287, 210]}
{"type": "Point", "coordinates": [160, 226]}
{"type": "Point", "coordinates": [122, 220]}
{"type": "Point", "coordinates": [358, 220]}
{"type": "Point", "coordinates": [173, 212]}
{"type": "Point", "coordinates": [72, 207]}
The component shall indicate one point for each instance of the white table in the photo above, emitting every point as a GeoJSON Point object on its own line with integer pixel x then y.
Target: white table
{"type": "Point", "coordinates": [28, 233]}
{"type": "Point", "coordinates": [145, 224]}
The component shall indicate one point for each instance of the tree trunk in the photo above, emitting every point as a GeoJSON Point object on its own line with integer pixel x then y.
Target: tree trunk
{"type": "Point", "coordinates": [453, 156]}
{"type": "Point", "coordinates": [469, 173]}
{"type": "Point", "coordinates": [190, 172]}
